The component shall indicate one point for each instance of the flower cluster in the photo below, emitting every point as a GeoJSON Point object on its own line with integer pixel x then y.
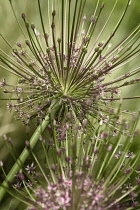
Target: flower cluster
{"type": "Point", "coordinates": [89, 194]}
{"type": "Point", "coordinates": [63, 62]}
{"type": "Point", "coordinates": [86, 169]}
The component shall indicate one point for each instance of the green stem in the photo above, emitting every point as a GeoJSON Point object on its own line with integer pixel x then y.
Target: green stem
{"type": "Point", "coordinates": [25, 153]}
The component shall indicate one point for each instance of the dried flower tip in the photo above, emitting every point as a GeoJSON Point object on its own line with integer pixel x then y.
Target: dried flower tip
{"type": "Point", "coordinates": [27, 143]}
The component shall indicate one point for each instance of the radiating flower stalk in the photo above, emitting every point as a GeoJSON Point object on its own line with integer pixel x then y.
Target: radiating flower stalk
{"type": "Point", "coordinates": [62, 83]}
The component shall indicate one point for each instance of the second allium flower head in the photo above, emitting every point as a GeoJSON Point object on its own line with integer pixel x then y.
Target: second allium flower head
{"type": "Point", "coordinates": [67, 63]}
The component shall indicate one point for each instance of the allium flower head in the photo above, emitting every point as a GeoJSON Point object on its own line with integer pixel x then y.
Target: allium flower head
{"type": "Point", "coordinates": [87, 169]}
{"type": "Point", "coordinates": [66, 60]}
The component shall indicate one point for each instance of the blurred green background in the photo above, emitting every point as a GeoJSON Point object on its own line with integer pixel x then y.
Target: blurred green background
{"type": "Point", "coordinates": [10, 30]}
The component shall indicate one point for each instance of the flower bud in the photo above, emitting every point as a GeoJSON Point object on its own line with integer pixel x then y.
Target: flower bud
{"type": "Point", "coordinates": [23, 16]}
{"type": "Point", "coordinates": [53, 13]}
